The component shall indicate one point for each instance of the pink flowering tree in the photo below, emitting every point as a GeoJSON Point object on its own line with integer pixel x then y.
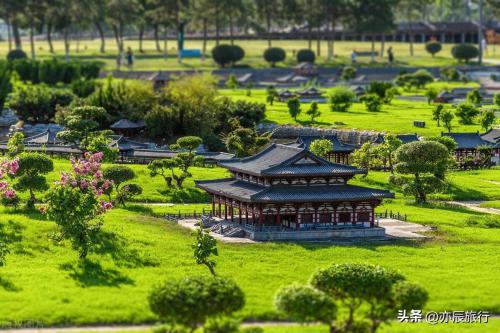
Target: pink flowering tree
{"type": "Point", "coordinates": [8, 195]}
{"type": "Point", "coordinates": [75, 203]}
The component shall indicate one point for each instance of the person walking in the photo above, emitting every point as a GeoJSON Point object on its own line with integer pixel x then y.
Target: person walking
{"type": "Point", "coordinates": [353, 56]}
{"type": "Point", "coordinates": [130, 57]}
{"type": "Point", "coordinates": [390, 55]}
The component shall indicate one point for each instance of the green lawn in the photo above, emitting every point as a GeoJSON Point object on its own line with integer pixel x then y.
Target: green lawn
{"type": "Point", "coordinates": [397, 117]}
{"type": "Point", "coordinates": [152, 60]}
{"type": "Point", "coordinates": [459, 268]}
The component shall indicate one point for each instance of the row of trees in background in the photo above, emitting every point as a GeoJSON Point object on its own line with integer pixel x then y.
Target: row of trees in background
{"type": "Point", "coordinates": [71, 18]}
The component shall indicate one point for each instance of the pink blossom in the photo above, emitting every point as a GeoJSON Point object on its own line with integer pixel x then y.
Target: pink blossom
{"type": "Point", "coordinates": [42, 210]}
{"type": "Point", "coordinates": [10, 194]}
{"type": "Point", "coordinates": [3, 185]}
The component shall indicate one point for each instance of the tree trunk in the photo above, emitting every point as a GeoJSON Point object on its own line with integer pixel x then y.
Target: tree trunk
{"type": "Point", "coordinates": [331, 38]}
{"type": "Point", "coordinates": [9, 34]}
{"type": "Point", "coordinates": [141, 36]}
{"type": "Point", "coordinates": [410, 32]}
{"type": "Point", "coordinates": [231, 27]}
{"type": "Point", "coordinates": [165, 39]}
{"type": "Point", "coordinates": [309, 36]}
{"type": "Point", "coordinates": [217, 28]}
{"type": "Point", "coordinates": [373, 49]}
{"type": "Point", "coordinates": [78, 41]}
{"type": "Point", "coordinates": [101, 36]}
{"type": "Point", "coordinates": [17, 36]}
{"type": "Point", "coordinates": [66, 44]}
{"type": "Point", "coordinates": [157, 39]}
{"type": "Point", "coordinates": [205, 32]}
{"type": "Point", "coordinates": [318, 42]}
{"type": "Point", "coordinates": [32, 43]}
{"type": "Point", "coordinates": [49, 37]}
{"type": "Point", "coordinates": [268, 27]}
{"type": "Point", "coordinates": [382, 46]}
{"type": "Point", "coordinates": [118, 40]}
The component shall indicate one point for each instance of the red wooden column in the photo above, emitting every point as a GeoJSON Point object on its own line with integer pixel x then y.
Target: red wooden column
{"type": "Point", "coordinates": [246, 213]}
{"type": "Point", "coordinates": [296, 216]}
{"type": "Point", "coordinates": [315, 217]}
{"type": "Point", "coordinates": [353, 217]}
{"type": "Point", "coordinates": [278, 216]}
{"type": "Point", "coordinates": [253, 214]}
{"type": "Point", "coordinates": [261, 217]}
{"type": "Point", "coordinates": [239, 212]}
{"type": "Point", "coordinates": [213, 204]}
{"type": "Point", "coordinates": [334, 215]}
{"type": "Point", "coordinates": [220, 208]}
{"type": "Point", "coordinates": [225, 208]}
{"type": "Point", "coordinates": [372, 219]}
{"type": "Point", "coordinates": [231, 209]}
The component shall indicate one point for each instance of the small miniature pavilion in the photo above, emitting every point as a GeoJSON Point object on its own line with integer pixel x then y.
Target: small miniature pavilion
{"type": "Point", "coordinates": [340, 151]}
{"type": "Point", "coordinates": [289, 188]}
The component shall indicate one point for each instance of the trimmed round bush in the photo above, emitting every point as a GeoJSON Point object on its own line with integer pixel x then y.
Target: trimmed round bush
{"type": "Point", "coordinates": [222, 54]}
{"type": "Point", "coordinates": [274, 55]}
{"type": "Point", "coordinates": [225, 54]}
{"type": "Point", "coordinates": [16, 54]}
{"type": "Point", "coordinates": [306, 55]}
{"type": "Point", "coordinates": [433, 47]}
{"type": "Point", "coordinates": [464, 52]}
{"type": "Point", "coordinates": [238, 53]}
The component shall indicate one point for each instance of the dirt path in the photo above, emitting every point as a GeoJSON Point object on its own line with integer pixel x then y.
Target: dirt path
{"type": "Point", "coordinates": [474, 205]}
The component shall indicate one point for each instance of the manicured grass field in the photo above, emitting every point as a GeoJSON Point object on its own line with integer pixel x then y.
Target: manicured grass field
{"type": "Point", "coordinates": [153, 60]}
{"type": "Point", "coordinates": [397, 117]}
{"type": "Point", "coordinates": [43, 281]}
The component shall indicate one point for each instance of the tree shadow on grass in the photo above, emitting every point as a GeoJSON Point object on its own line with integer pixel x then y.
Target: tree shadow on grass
{"type": "Point", "coordinates": [315, 123]}
{"type": "Point", "coordinates": [186, 195]}
{"type": "Point", "coordinates": [117, 248]}
{"type": "Point", "coordinates": [88, 273]}
{"type": "Point", "coordinates": [460, 193]}
{"type": "Point", "coordinates": [8, 285]}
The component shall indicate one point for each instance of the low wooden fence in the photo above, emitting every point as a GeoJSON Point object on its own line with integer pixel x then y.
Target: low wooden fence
{"type": "Point", "coordinates": [388, 214]}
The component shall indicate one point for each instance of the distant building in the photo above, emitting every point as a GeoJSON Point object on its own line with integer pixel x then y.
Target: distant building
{"type": "Point", "coordinates": [340, 152]}
{"type": "Point", "coordinates": [493, 137]}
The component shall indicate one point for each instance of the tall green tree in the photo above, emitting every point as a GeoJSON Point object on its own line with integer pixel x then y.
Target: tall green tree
{"type": "Point", "coordinates": [32, 168]}
{"type": "Point", "coordinates": [120, 14]}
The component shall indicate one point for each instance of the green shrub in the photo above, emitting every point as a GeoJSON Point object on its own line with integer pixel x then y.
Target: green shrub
{"type": "Point", "coordinates": [486, 221]}
{"type": "Point", "coordinates": [341, 98]}
{"type": "Point", "coordinates": [372, 101]}
{"type": "Point", "coordinates": [466, 112]}
{"type": "Point", "coordinates": [306, 55]}
{"type": "Point", "coordinates": [449, 74]}
{"type": "Point", "coordinates": [16, 54]}
{"type": "Point", "coordinates": [348, 73]}
{"type": "Point", "coordinates": [464, 52]}
{"type": "Point", "coordinates": [225, 54]}
{"type": "Point", "coordinates": [189, 302]}
{"type": "Point", "coordinates": [433, 47]}
{"type": "Point", "coordinates": [382, 89]}
{"type": "Point", "coordinates": [274, 55]}
{"type": "Point", "coordinates": [83, 87]}
{"type": "Point", "coordinates": [222, 325]}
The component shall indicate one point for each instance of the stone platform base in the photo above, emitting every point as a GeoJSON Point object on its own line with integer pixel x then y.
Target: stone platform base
{"type": "Point", "coordinates": [311, 235]}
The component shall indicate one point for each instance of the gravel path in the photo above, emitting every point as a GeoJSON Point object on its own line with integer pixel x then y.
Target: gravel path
{"type": "Point", "coordinates": [474, 205]}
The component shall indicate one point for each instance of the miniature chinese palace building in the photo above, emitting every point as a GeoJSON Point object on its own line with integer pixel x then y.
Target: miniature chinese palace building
{"type": "Point", "coordinates": [285, 192]}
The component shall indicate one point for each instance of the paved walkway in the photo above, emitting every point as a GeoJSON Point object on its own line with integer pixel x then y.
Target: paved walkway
{"type": "Point", "coordinates": [474, 205]}
{"type": "Point", "coordinates": [393, 229]}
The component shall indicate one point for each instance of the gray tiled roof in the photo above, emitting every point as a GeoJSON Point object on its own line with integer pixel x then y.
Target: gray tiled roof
{"type": "Point", "coordinates": [242, 190]}
{"type": "Point", "coordinates": [338, 146]}
{"type": "Point", "coordinates": [407, 138]}
{"type": "Point", "coordinates": [493, 135]}
{"type": "Point", "coordinates": [126, 124]}
{"type": "Point", "coordinates": [279, 159]}
{"type": "Point", "coordinates": [44, 138]}
{"type": "Point", "coordinates": [467, 140]}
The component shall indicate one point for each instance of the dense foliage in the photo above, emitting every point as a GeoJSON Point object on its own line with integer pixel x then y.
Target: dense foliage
{"type": "Point", "coordinates": [191, 301]}
{"type": "Point", "coordinates": [30, 176]}
{"type": "Point", "coordinates": [321, 147]}
{"type": "Point", "coordinates": [427, 162]}
{"type": "Point", "coordinates": [464, 52]}
{"type": "Point", "coordinates": [225, 54]}
{"type": "Point", "coordinates": [274, 55]}
{"type": "Point", "coordinates": [38, 103]}
{"type": "Point", "coordinates": [433, 47]}
{"type": "Point", "coordinates": [341, 98]}
{"type": "Point", "coordinates": [306, 55]}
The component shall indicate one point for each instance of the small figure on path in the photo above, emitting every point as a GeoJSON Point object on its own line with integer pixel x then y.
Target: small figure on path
{"type": "Point", "coordinates": [353, 56]}
{"type": "Point", "coordinates": [390, 55]}
{"type": "Point", "coordinates": [130, 57]}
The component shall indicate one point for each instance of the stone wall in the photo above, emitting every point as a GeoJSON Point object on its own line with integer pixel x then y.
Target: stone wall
{"type": "Point", "coordinates": [353, 137]}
